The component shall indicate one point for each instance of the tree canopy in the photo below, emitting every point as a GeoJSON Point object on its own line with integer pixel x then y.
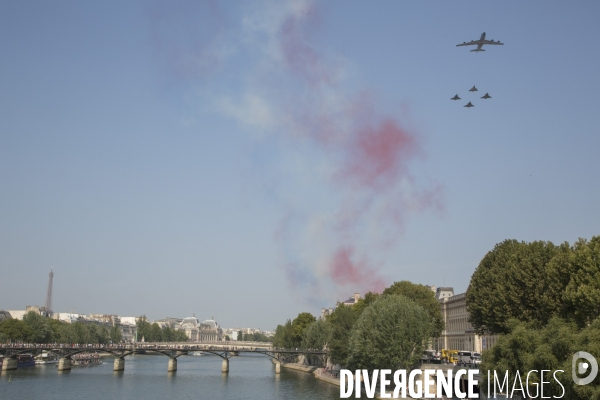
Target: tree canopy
{"type": "Point", "coordinates": [581, 298]}
{"type": "Point", "coordinates": [423, 296]}
{"type": "Point", "coordinates": [390, 334]}
{"type": "Point", "coordinates": [526, 347]}
{"type": "Point", "coordinates": [154, 333]}
{"type": "Point", "coordinates": [533, 282]}
{"type": "Point", "coordinates": [291, 334]}
{"type": "Point", "coordinates": [342, 321]}
{"type": "Point", "coordinates": [299, 325]}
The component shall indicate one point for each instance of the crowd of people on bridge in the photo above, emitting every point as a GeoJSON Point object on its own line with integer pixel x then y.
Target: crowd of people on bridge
{"type": "Point", "coordinates": [156, 346]}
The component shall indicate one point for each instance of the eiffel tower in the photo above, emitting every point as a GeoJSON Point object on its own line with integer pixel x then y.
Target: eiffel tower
{"type": "Point", "coordinates": [49, 294]}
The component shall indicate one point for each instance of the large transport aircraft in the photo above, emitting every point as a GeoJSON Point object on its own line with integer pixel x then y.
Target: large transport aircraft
{"type": "Point", "coordinates": [479, 43]}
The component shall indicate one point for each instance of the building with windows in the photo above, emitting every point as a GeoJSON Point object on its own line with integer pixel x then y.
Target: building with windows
{"type": "Point", "coordinates": [210, 331]}
{"type": "Point", "coordinates": [190, 326]}
{"type": "Point", "coordinates": [459, 334]}
{"type": "Point", "coordinates": [352, 300]}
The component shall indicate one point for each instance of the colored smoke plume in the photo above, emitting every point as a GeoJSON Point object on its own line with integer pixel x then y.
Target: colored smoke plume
{"type": "Point", "coordinates": [373, 155]}
{"type": "Point", "coordinates": [345, 271]}
{"type": "Point", "coordinates": [357, 154]}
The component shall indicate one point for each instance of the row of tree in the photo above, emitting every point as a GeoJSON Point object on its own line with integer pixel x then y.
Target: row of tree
{"type": "Point", "coordinates": [543, 300]}
{"type": "Point", "coordinates": [154, 333]}
{"type": "Point", "coordinates": [389, 330]}
{"type": "Point", "coordinates": [253, 337]}
{"type": "Point", "coordinates": [35, 328]}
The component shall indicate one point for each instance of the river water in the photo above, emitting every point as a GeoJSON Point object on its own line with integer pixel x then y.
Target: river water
{"type": "Point", "coordinates": [146, 377]}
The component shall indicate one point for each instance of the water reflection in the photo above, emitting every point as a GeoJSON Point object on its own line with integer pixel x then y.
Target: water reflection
{"type": "Point", "coordinates": [146, 377]}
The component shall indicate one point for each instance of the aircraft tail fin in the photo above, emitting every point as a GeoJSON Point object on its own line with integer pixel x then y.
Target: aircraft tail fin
{"type": "Point", "coordinates": [478, 50]}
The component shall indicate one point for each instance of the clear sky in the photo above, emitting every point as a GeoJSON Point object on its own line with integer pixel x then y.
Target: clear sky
{"type": "Point", "coordinates": [252, 160]}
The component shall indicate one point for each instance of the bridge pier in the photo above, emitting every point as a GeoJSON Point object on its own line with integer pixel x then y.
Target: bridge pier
{"type": "Point", "coordinates": [64, 364]}
{"type": "Point", "coordinates": [225, 365]}
{"type": "Point", "coordinates": [172, 366]}
{"type": "Point", "coordinates": [119, 364]}
{"type": "Point", "coordinates": [277, 367]}
{"type": "Point", "coordinates": [9, 364]}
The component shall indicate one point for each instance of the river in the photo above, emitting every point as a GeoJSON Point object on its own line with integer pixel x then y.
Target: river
{"type": "Point", "coordinates": [146, 377]}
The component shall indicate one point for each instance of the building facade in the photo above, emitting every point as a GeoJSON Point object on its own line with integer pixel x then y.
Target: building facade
{"type": "Point", "coordinates": [191, 327]}
{"type": "Point", "coordinates": [210, 331]}
{"type": "Point", "coordinates": [459, 334]}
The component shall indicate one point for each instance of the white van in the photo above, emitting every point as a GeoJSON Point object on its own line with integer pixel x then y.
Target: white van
{"type": "Point", "coordinates": [469, 357]}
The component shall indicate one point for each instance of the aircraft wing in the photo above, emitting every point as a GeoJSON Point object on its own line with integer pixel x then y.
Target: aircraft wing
{"type": "Point", "coordinates": [492, 42]}
{"type": "Point", "coordinates": [471, 43]}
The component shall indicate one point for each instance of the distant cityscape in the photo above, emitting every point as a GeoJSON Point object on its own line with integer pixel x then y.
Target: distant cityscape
{"type": "Point", "coordinates": [196, 331]}
{"type": "Point", "coordinates": [206, 331]}
{"type": "Point", "coordinates": [458, 332]}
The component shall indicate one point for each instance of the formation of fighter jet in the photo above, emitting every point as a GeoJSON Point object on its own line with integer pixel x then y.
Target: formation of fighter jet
{"type": "Point", "coordinates": [469, 104]}
{"type": "Point", "coordinates": [479, 43]}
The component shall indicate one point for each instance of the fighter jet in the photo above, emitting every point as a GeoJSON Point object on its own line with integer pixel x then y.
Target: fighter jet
{"type": "Point", "coordinates": [473, 89]}
{"type": "Point", "coordinates": [469, 105]}
{"type": "Point", "coordinates": [455, 97]}
{"type": "Point", "coordinates": [479, 43]}
{"type": "Point", "coordinates": [487, 96]}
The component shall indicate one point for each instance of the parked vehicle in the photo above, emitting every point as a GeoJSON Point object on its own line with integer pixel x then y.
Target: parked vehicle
{"type": "Point", "coordinates": [428, 356]}
{"type": "Point", "coordinates": [449, 356]}
{"type": "Point", "coordinates": [469, 357]}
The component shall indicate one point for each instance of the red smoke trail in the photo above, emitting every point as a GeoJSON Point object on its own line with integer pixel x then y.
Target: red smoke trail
{"type": "Point", "coordinates": [374, 154]}
{"type": "Point", "coordinates": [344, 271]}
{"type": "Point", "coordinates": [378, 156]}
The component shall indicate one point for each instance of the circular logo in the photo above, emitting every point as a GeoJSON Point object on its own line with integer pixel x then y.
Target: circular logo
{"type": "Point", "coordinates": [583, 367]}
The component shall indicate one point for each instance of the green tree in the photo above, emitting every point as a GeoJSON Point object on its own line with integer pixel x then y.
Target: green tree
{"type": "Point", "coordinates": [390, 334]}
{"type": "Point", "coordinates": [168, 334]}
{"type": "Point", "coordinates": [299, 324]}
{"type": "Point", "coordinates": [179, 336]}
{"type": "Point", "coordinates": [240, 336]}
{"type": "Point", "coordinates": [512, 281]}
{"type": "Point", "coordinates": [143, 328]}
{"type": "Point", "coordinates": [16, 330]}
{"type": "Point", "coordinates": [581, 297]}
{"type": "Point", "coordinates": [41, 332]}
{"type": "Point", "coordinates": [155, 333]}
{"type": "Point", "coordinates": [115, 334]}
{"type": "Point", "coordinates": [342, 320]}
{"type": "Point", "coordinates": [56, 331]}
{"type": "Point", "coordinates": [316, 337]}
{"type": "Point", "coordinates": [423, 296]}
{"type": "Point", "coordinates": [80, 333]}
{"type": "Point", "coordinates": [527, 347]}
{"type": "Point", "coordinates": [283, 335]}
{"type": "Point", "coordinates": [365, 302]}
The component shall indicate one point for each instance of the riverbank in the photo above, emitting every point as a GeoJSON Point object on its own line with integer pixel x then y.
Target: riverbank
{"type": "Point", "coordinates": [318, 372]}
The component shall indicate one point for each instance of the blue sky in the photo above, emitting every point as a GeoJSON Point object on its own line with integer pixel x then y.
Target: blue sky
{"type": "Point", "coordinates": [218, 159]}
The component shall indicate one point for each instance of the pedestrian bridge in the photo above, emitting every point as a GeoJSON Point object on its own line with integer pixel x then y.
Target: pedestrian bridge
{"type": "Point", "coordinates": [65, 352]}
